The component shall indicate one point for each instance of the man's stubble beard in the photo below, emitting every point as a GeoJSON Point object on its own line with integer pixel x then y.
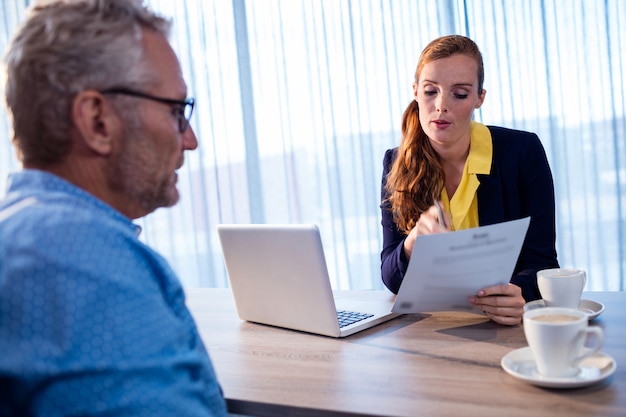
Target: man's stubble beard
{"type": "Point", "coordinates": [132, 172]}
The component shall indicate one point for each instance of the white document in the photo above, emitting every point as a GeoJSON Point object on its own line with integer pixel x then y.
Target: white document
{"type": "Point", "coordinates": [447, 268]}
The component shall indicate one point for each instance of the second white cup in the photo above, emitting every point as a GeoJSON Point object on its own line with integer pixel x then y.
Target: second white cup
{"type": "Point", "coordinates": [557, 336]}
{"type": "Point", "coordinates": [561, 287]}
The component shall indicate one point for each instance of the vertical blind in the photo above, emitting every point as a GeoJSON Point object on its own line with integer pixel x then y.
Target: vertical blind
{"type": "Point", "coordinates": [297, 101]}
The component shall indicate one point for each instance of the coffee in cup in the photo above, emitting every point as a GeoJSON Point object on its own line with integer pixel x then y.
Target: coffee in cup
{"type": "Point", "coordinates": [561, 287]}
{"type": "Point", "coordinates": [557, 337]}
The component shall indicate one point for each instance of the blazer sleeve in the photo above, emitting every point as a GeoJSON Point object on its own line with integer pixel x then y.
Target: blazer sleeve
{"type": "Point", "coordinates": [393, 262]}
{"type": "Point", "coordinates": [521, 185]}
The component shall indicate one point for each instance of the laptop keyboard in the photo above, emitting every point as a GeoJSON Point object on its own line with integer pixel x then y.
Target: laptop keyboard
{"type": "Point", "coordinates": [349, 317]}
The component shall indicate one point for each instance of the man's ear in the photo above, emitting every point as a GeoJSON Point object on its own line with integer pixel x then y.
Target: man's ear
{"type": "Point", "coordinates": [95, 120]}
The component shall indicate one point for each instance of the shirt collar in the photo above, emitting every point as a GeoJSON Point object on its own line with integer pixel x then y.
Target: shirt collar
{"type": "Point", "coordinates": [33, 182]}
{"type": "Point", "coordinates": [481, 150]}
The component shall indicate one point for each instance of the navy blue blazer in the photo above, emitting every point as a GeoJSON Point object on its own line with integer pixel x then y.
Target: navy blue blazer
{"type": "Point", "coordinates": [520, 185]}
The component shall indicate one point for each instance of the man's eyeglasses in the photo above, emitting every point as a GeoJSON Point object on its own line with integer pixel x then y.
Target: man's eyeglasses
{"type": "Point", "coordinates": [183, 112]}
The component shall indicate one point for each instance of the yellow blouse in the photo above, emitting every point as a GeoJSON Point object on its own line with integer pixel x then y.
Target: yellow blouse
{"type": "Point", "coordinates": [463, 207]}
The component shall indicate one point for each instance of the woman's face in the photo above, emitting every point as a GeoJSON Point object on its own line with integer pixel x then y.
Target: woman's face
{"type": "Point", "coordinates": [447, 94]}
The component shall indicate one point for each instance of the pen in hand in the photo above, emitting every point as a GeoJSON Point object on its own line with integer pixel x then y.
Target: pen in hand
{"type": "Point", "coordinates": [442, 220]}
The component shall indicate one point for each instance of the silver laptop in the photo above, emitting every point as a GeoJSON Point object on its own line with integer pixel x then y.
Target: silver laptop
{"type": "Point", "coordinates": [278, 276]}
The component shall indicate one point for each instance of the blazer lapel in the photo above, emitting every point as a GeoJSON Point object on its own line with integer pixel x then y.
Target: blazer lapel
{"type": "Point", "coordinates": [490, 197]}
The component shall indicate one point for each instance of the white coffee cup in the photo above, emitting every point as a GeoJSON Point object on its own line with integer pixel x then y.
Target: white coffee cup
{"type": "Point", "coordinates": [557, 337]}
{"type": "Point", "coordinates": [561, 287]}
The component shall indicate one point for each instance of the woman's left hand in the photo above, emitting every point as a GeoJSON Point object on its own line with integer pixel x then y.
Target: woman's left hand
{"type": "Point", "coordinates": [503, 304]}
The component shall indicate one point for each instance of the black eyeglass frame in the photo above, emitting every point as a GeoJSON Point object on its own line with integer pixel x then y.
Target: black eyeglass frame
{"type": "Point", "coordinates": [183, 117]}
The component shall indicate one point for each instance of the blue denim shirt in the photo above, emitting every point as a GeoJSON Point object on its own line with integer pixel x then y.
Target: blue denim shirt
{"type": "Point", "coordinates": [92, 321]}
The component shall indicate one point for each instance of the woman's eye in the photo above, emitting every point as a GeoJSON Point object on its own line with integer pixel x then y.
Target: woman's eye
{"type": "Point", "coordinates": [430, 92]}
{"type": "Point", "coordinates": [460, 95]}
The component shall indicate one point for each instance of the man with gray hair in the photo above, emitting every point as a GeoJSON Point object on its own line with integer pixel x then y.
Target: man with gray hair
{"type": "Point", "coordinates": [93, 321]}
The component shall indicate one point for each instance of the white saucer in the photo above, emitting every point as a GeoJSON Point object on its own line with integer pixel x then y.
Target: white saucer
{"type": "Point", "coordinates": [521, 364]}
{"type": "Point", "coordinates": [592, 308]}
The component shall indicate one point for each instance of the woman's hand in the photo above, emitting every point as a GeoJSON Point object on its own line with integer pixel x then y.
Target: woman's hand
{"type": "Point", "coordinates": [503, 304]}
{"type": "Point", "coordinates": [427, 224]}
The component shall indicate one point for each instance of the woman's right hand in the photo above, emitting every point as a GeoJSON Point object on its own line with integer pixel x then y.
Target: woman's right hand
{"type": "Point", "coordinates": [427, 224]}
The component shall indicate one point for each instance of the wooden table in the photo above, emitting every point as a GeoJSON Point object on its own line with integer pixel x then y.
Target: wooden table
{"type": "Point", "coordinates": [440, 364]}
